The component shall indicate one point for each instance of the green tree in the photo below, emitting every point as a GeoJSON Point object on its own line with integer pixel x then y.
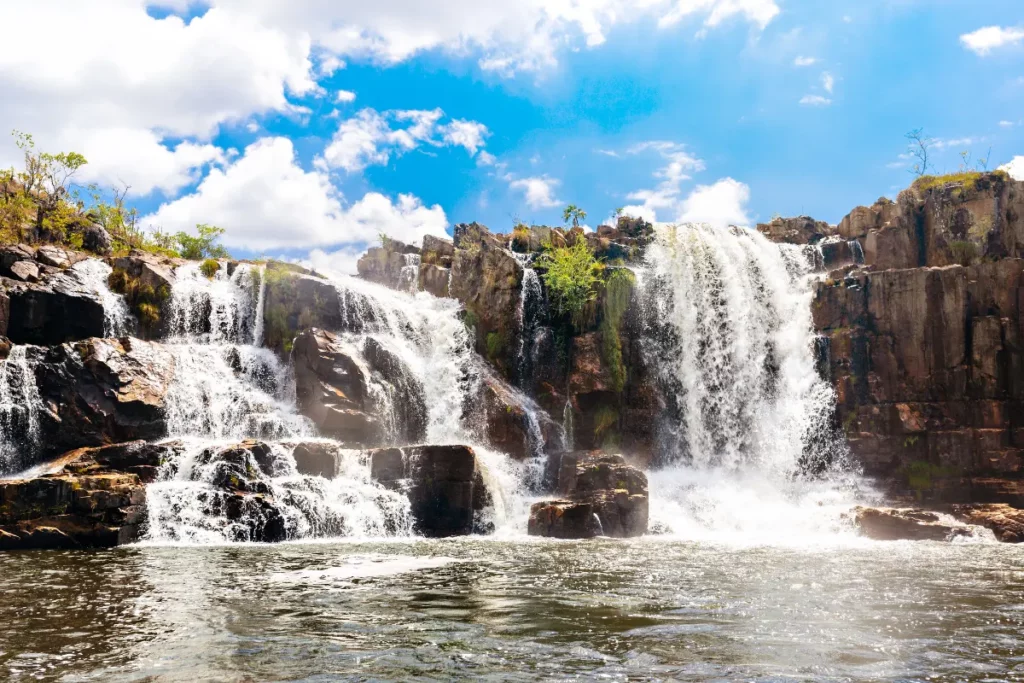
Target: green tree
{"type": "Point", "coordinates": [575, 214]}
{"type": "Point", "coordinates": [45, 180]}
{"type": "Point", "coordinates": [202, 245]}
{"type": "Point", "coordinates": [571, 274]}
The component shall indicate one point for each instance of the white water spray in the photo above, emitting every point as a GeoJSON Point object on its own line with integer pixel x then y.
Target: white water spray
{"type": "Point", "coordinates": [732, 341]}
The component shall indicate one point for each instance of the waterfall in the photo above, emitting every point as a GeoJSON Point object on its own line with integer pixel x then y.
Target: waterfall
{"type": "Point", "coordinates": [731, 338]}
{"type": "Point", "coordinates": [409, 276]}
{"type": "Point", "coordinates": [226, 390]}
{"type": "Point", "coordinates": [19, 409]}
{"type": "Point", "coordinates": [529, 316]}
{"type": "Point", "coordinates": [91, 275]}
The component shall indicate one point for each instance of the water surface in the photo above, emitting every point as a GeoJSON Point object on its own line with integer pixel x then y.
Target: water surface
{"type": "Point", "coordinates": [482, 609]}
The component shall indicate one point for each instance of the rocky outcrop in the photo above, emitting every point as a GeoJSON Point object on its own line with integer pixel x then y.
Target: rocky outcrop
{"type": "Point", "coordinates": [603, 496]}
{"type": "Point", "coordinates": [93, 498]}
{"type": "Point", "coordinates": [295, 301]}
{"type": "Point", "coordinates": [1007, 523]}
{"type": "Point", "coordinates": [487, 279]}
{"type": "Point", "coordinates": [928, 367]}
{"type": "Point", "coordinates": [102, 391]}
{"type": "Point", "coordinates": [512, 423]}
{"type": "Point", "coordinates": [445, 486]}
{"type": "Point", "coordinates": [394, 264]}
{"type": "Point", "coordinates": [317, 459]}
{"type": "Point", "coordinates": [799, 230]}
{"type": "Point", "coordinates": [333, 388]}
{"type": "Point", "coordinates": [896, 524]}
{"type": "Point", "coordinates": [45, 304]}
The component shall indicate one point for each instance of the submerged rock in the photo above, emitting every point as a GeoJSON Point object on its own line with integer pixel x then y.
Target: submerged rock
{"type": "Point", "coordinates": [444, 484]}
{"type": "Point", "coordinates": [604, 496]}
{"type": "Point", "coordinates": [905, 524]}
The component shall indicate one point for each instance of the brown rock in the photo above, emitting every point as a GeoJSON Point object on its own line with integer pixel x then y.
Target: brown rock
{"type": "Point", "coordinates": [799, 230]}
{"type": "Point", "coordinates": [434, 279]}
{"type": "Point", "coordinates": [1006, 522]}
{"type": "Point", "coordinates": [891, 524]}
{"type": "Point", "coordinates": [317, 459]}
{"type": "Point", "coordinates": [25, 271]}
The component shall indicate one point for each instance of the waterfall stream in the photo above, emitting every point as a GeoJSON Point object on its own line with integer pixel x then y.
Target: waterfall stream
{"type": "Point", "coordinates": [731, 337]}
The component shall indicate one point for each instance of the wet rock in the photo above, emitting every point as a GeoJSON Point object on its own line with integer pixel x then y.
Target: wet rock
{"type": "Point", "coordinates": [434, 279]}
{"type": "Point", "coordinates": [57, 309]}
{"type": "Point", "coordinates": [1006, 522]}
{"type": "Point", "coordinates": [408, 398]}
{"type": "Point", "coordinates": [295, 301]}
{"type": "Point", "coordinates": [244, 467]}
{"type": "Point", "coordinates": [893, 524]}
{"type": "Point", "coordinates": [13, 253]}
{"type": "Point", "coordinates": [149, 270]}
{"type": "Point", "coordinates": [603, 496]}
{"type": "Point", "coordinates": [67, 510]}
{"type": "Point", "coordinates": [317, 459]}
{"type": "Point", "coordinates": [444, 484]}
{"type": "Point", "coordinates": [514, 424]}
{"type": "Point", "coordinates": [102, 390]}
{"type": "Point", "coordinates": [255, 519]}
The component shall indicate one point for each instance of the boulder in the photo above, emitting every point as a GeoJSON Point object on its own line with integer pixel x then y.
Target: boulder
{"type": "Point", "coordinates": [102, 391]}
{"type": "Point", "coordinates": [13, 253]}
{"type": "Point", "coordinates": [603, 496]}
{"type": "Point", "coordinates": [149, 270]}
{"type": "Point", "coordinates": [512, 422]}
{"type": "Point", "coordinates": [437, 251]}
{"type": "Point", "coordinates": [896, 524]}
{"type": "Point", "coordinates": [445, 486]}
{"type": "Point", "coordinates": [96, 239]}
{"type": "Point", "coordinates": [408, 418]}
{"type": "Point", "coordinates": [434, 279]}
{"type": "Point", "coordinates": [331, 388]}
{"type": "Point", "coordinates": [1006, 522]}
{"type": "Point", "coordinates": [51, 255]}
{"type": "Point", "coordinates": [317, 459]}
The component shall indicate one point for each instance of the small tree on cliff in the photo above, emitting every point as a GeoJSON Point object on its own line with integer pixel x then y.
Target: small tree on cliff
{"type": "Point", "coordinates": [575, 214]}
{"type": "Point", "coordinates": [918, 149]}
{"type": "Point", "coordinates": [202, 245]}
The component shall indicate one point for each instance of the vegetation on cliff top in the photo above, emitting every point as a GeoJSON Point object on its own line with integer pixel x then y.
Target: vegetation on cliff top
{"type": "Point", "coordinates": [41, 203]}
{"type": "Point", "coordinates": [571, 275]}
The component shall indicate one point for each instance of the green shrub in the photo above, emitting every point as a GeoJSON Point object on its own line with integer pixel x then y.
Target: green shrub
{"type": "Point", "coordinates": [965, 253]}
{"type": "Point", "coordinates": [967, 179]}
{"type": "Point", "coordinates": [203, 244]}
{"type": "Point", "coordinates": [209, 268]}
{"type": "Point", "coordinates": [571, 274]}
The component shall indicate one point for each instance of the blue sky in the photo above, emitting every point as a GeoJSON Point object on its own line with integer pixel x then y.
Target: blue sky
{"type": "Point", "coordinates": [726, 111]}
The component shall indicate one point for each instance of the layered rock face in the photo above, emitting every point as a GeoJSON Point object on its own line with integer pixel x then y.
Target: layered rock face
{"type": "Point", "coordinates": [603, 496]}
{"type": "Point", "coordinates": [95, 497]}
{"type": "Point", "coordinates": [923, 340]}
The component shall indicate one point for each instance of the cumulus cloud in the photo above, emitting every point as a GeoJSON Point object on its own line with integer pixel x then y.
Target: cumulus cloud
{"type": "Point", "coordinates": [372, 138]}
{"type": "Point", "coordinates": [119, 101]}
{"type": "Point", "coordinates": [723, 203]}
{"type": "Point", "coordinates": [539, 191]}
{"type": "Point", "coordinates": [983, 41]}
{"type": "Point", "coordinates": [344, 96]}
{"type": "Point", "coordinates": [805, 61]}
{"type": "Point", "coordinates": [1015, 168]}
{"type": "Point", "coordinates": [677, 165]}
{"type": "Point", "coordinates": [828, 82]}
{"type": "Point", "coordinates": [265, 201]}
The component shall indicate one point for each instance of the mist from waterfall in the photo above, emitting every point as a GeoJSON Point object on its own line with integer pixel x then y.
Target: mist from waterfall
{"type": "Point", "coordinates": [748, 450]}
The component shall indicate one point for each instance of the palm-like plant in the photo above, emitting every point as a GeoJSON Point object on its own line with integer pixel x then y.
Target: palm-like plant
{"type": "Point", "coordinates": [575, 214]}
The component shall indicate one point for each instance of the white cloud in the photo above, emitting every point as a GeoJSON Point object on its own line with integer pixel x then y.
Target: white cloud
{"type": "Point", "coordinates": [815, 101]}
{"type": "Point", "coordinates": [159, 80]}
{"type": "Point", "coordinates": [468, 134]}
{"type": "Point", "coordinates": [805, 61]}
{"type": "Point", "coordinates": [539, 191]}
{"type": "Point", "coordinates": [985, 40]}
{"type": "Point", "coordinates": [265, 200]}
{"type": "Point", "coordinates": [956, 143]}
{"type": "Point", "coordinates": [1006, 124]}
{"type": "Point", "coordinates": [252, 127]}
{"type": "Point", "coordinates": [721, 204]}
{"type": "Point", "coordinates": [485, 158]}
{"type": "Point", "coordinates": [345, 96]}
{"type": "Point", "coordinates": [828, 82]}
{"type": "Point", "coordinates": [680, 164]}
{"type": "Point", "coordinates": [758, 12]}
{"type": "Point", "coordinates": [1015, 168]}
{"type": "Point", "coordinates": [369, 138]}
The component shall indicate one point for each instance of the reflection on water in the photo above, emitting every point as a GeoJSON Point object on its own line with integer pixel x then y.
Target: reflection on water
{"type": "Point", "coordinates": [479, 609]}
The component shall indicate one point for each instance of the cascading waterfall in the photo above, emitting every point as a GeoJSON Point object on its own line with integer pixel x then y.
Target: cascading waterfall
{"type": "Point", "coordinates": [531, 310]}
{"type": "Point", "coordinates": [93, 274]}
{"type": "Point", "coordinates": [19, 409]}
{"type": "Point", "coordinates": [226, 390]}
{"type": "Point", "coordinates": [732, 340]}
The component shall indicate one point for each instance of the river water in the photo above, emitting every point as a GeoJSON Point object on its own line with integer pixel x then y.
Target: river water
{"type": "Point", "coordinates": [652, 609]}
